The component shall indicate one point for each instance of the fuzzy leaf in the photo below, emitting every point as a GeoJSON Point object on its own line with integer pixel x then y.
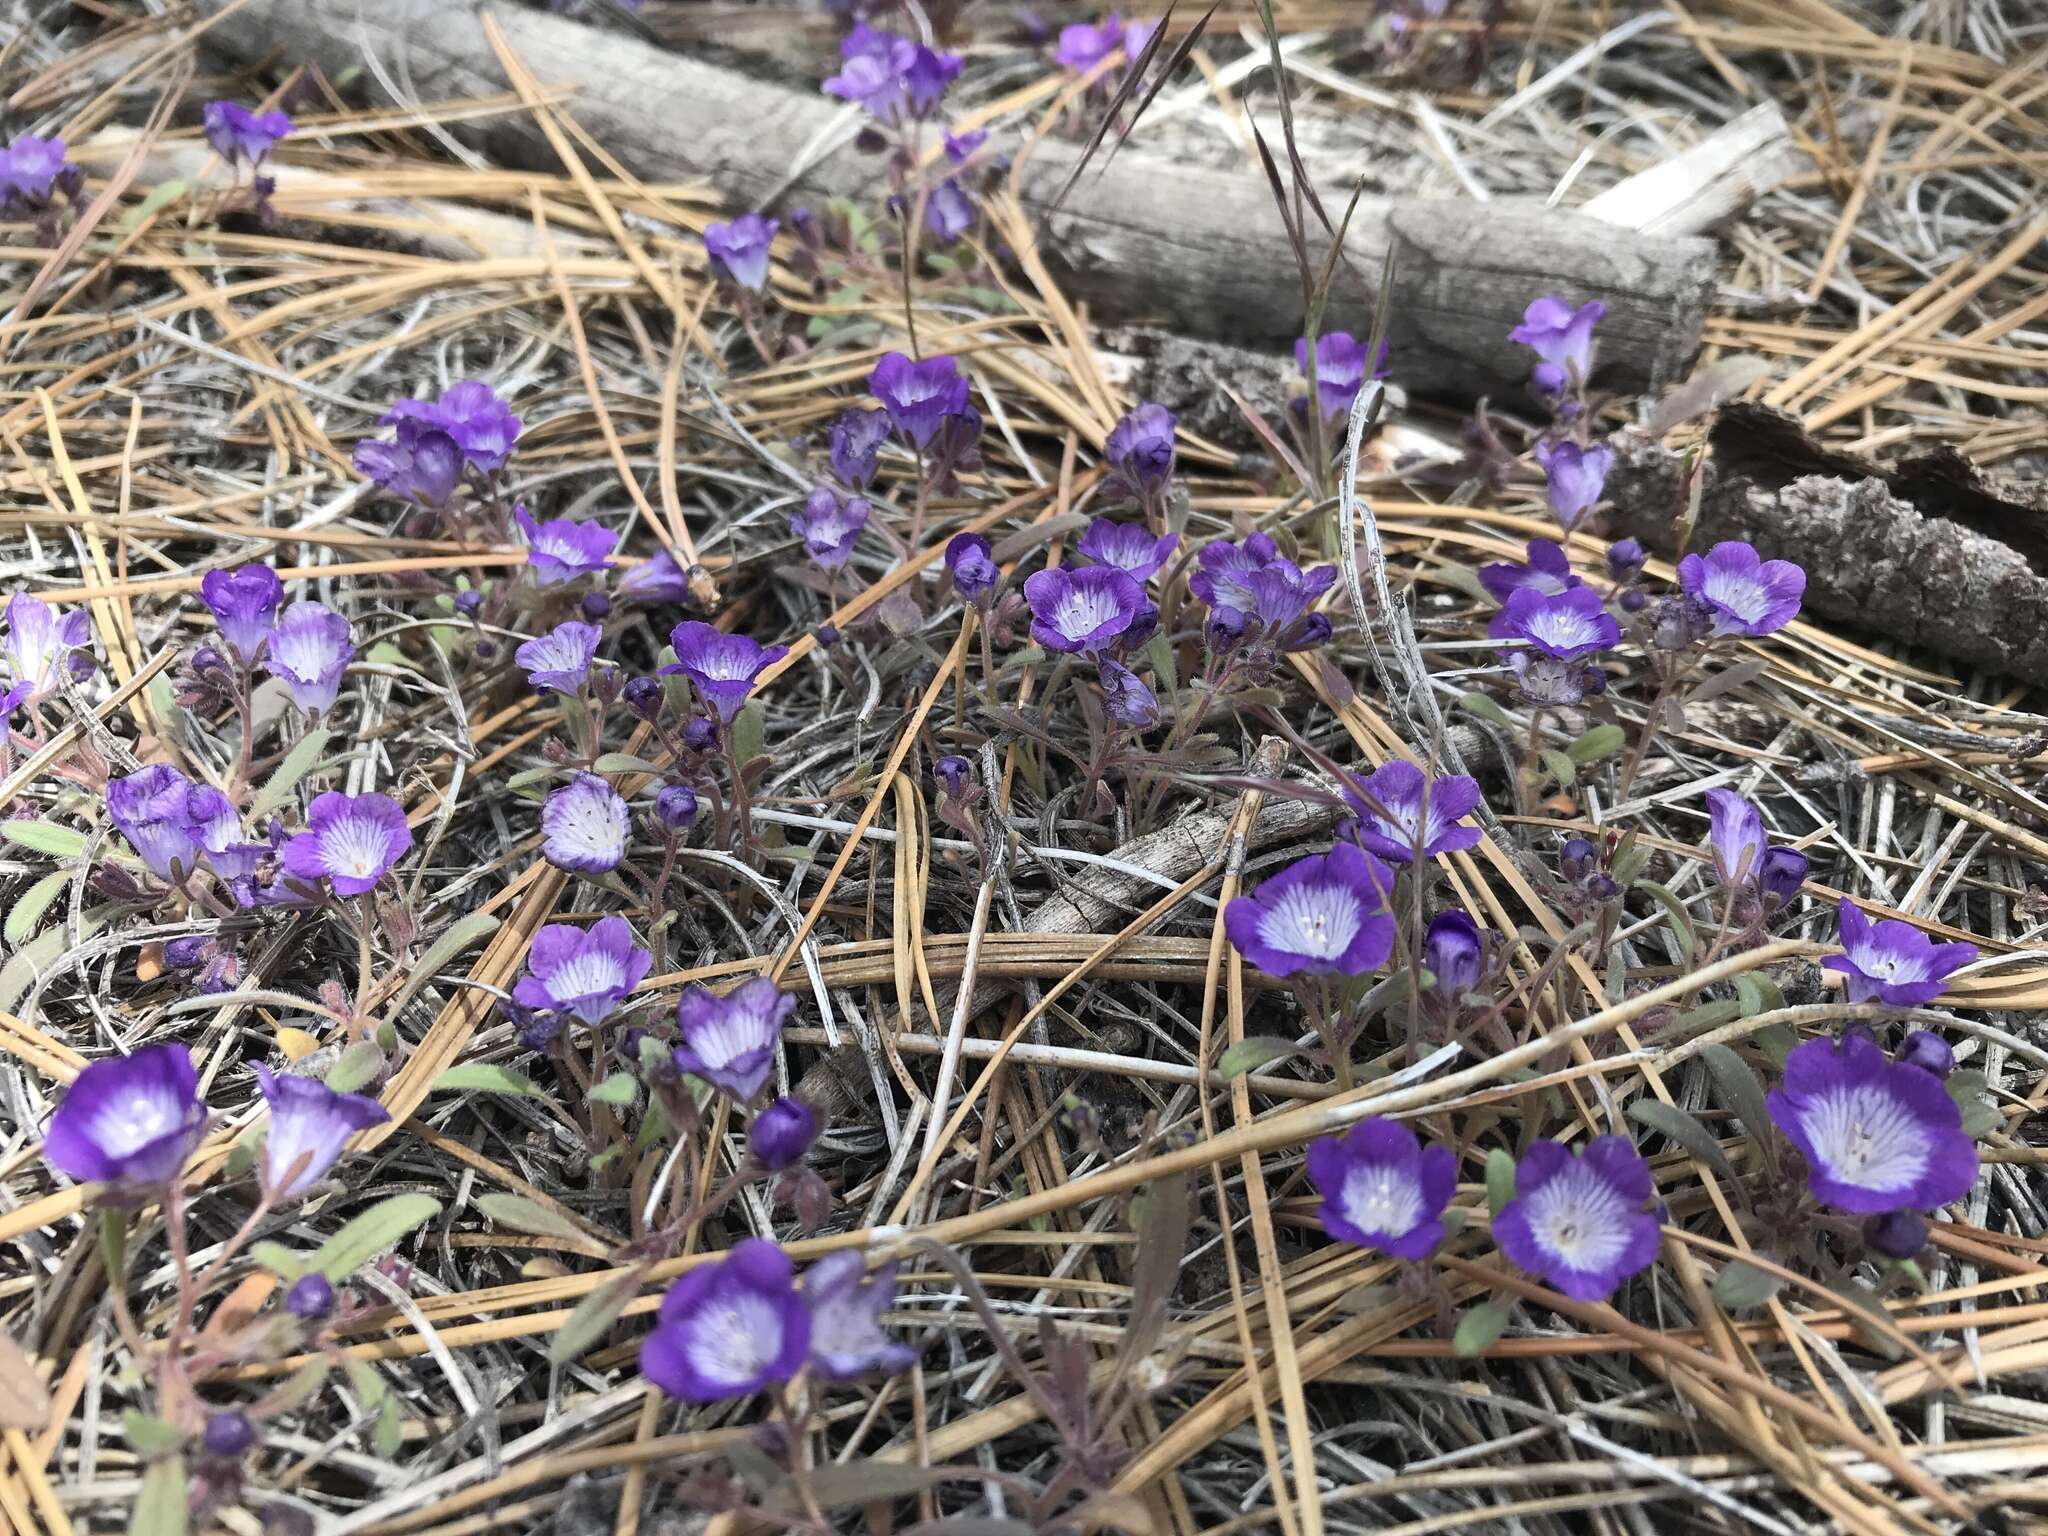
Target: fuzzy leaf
{"type": "Point", "coordinates": [1741, 1285]}
{"type": "Point", "coordinates": [280, 786]}
{"type": "Point", "coordinates": [1669, 1120]}
{"type": "Point", "coordinates": [1630, 860]}
{"type": "Point", "coordinates": [1709, 1015]}
{"type": "Point", "coordinates": [160, 197]}
{"type": "Point", "coordinates": [148, 1435]}
{"type": "Point", "coordinates": [1739, 1090]}
{"type": "Point", "coordinates": [1598, 744]}
{"type": "Point", "coordinates": [367, 1235]}
{"type": "Point", "coordinates": [286, 1263]}
{"type": "Point", "coordinates": [484, 1077]}
{"type": "Point", "coordinates": [302, 1385]}
{"type": "Point", "coordinates": [47, 837]}
{"type": "Point", "coordinates": [619, 1088]}
{"type": "Point", "coordinates": [364, 1381]}
{"type": "Point", "coordinates": [1251, 1054]}
{"type": "Point", "coordinates": [524, 1215]}
{"type": "Point", "coordinates": [623, 762]}
{"type": "Point", "coordinates": [593, 1317]}
{"type": "Point", "coordinates": [1500, 1180]}
{"type": "Point", "coordinates": [749, 732]}
{"type": "Point", "coordinates": [1675, 914]}
{"type": "Point", "coordinates": [1479, 1329]}
{"type": "Point", "coordinates": [460, 935]}
{"type": "Point", "coordinates": [357, 1066]}
{"type": "Point", "coordinates": [160, 1504]}
{"type": "Point", "coordinates": [1728, 679]}
{"type": "Point", "coordinates": [389, 1433]}
{"type": "Point", "coordinates": [1487, 708]}
{"type": "Point", "coordinates": [29, 908]}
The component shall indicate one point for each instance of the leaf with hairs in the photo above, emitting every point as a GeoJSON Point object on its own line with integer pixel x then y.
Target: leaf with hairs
{"type": "Point", "coordinates": [298, 762]}
{"type": "Point", "coordinates": [485, 1077]}
{"type": "Point", "coordinates": [1669, 1120]}
{"type": "Point", "coordinates": [160, 1505]}
{"type": "Point", "coordinates": [1741, 1285]}
{"type": "Point", "coordinates": [460, 935]}
{"type": "Point", "coordinates": [1500, 1180]}
{"type": "Point", "coordinates": [45, 837]}
{"type": "Point", "coordinates": [1479, 1329]}
{"type": "Point", "coordinates": [1675, 914]}
{"type": "Point", "coordinates": [367, 1235]}
{"type": "Point", "coordinates": [30, 906]}
{"type": "Point", "coordinates": [1251, 1054]}
{"type": "Point", "coordinates": [524, 1215]}
{"type": "Point", "coordinates": [594, 1316]}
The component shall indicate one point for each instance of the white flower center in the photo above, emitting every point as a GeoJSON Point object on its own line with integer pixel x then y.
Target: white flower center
{"type": "Point", "coordinates": [735, 1338]}
{"type": "Point", "coordinates": [1744, 596]}
{"type": "Point", "coordinates": [587, 975]}
{"type": "Point", "coordinates": [1562, 628]}
{"type": "Point", "coordinates": [1380, 1198]}
{"type": "Point", "coordinates": [1316, 920]}
{"type": "Point", "coordinates": [1580, 1219]}
{"type": "Point", "coordinates": [727, 1037]}
{"type": "Point", "coordinates": [355, 847]}
{"type": "Point", "coordinates": [1083, 610]}
{"type": "Point", "coordinates": [303, 653]}
{"type": "Point", "coordinates": [1866, 1137]}
{"type": "Point", "coordinates": [129, 1124]}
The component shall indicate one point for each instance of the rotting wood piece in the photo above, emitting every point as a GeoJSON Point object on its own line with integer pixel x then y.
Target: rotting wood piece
{"type": "Point", "coordinates": [1927, 551]}
{"type": "Point", "coordinates": [1201, 251]}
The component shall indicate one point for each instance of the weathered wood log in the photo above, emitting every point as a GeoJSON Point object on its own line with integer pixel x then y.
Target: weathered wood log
{"type": "Point", "coordinates": [1926, 551]}
{"type": "Point", "coordinates": [1197, 250]}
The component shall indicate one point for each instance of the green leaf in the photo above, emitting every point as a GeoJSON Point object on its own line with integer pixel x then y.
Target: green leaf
{"type": "Point", "coordinates": [1479, 1329]}
{"type": "Point", "coordinates": [389, 1432]}
{"type": "Point", "coordinates": [30, 906]}
{"type": "Point", "coordinates": [593, 1317]}
{"type": "Point", "coordinates": [58, 841]}
{"type": "Point", "coordinates": [1249, 1055]}
{"type": "Point", "coordinates": [1709, 1015]}
{"type": "Point", "coordinates": [1739, 1091]}
{"type": "Point", "coordinates": [364, 1381]}
{"type": "Point", "coordinates": [367, 1235]}
{"type": "Point", "coordinates": [1559, 767]}
{"type": "Point", "coordinates": [482, 1077]}
{"type": "Point", "coordinates": [524, 1215]}
{"type": "Point", "coordinates": [1981, 1117]}
{"type": "Point", "coordinates": [1597, 745]}
{"type": "Point", "coordinates": [1675, 914]}
{"type": "Point", "coordinates": [356, 1067]}
{"type": "Point", "coordinates": [460, 935]}
{"type": "Point", "coordinates": [149, 1436]}
{"type": "Point", "coordinates": [1741, 1285]}
{"type": "Point", "coordinates": [619, 1088]}
{"type": "Point", "coordinates": [1669, 1120]}
{"type": "Point", "coordinates": [623, 762]}
{"type": "Point", "coordinates": [1486, 707]}
{"type": "Point", "coordinates": [302, 1385]}
{"type": "Point", "coordinates": [40, 953]}
{"type": "Point", "coordinates": [1500, 1180]}
{"type": "Point", "coordinates": [242, 1158]}
{"type": "Point", "coordinates": [749, 733]}
{"type": "Point", "coordinates": [1776, 1041]}
{"type": "Point", "coordinates": [114, 1245]}
{"type": "Point", "coordinates": [160, 1504]}
{"type": "Point", "coordinates": [160, 197]}
{"type": "Point", "coordinates": [1630, 860]}
{"type": "Point", "coordinates": [286, 1263]}
{"type": "Point", "coordinates": [1165, 666]}
{"type": "Point", "coordinates": [279, 787]}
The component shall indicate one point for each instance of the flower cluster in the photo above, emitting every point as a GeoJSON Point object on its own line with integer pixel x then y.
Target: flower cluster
{"type": "Point", "coordinates": [468, 428]}
{"type": "Point", "coordinates": [1255, 594]}
{"type": "Point", "coordinates": [239, 135]}
{"type": "Point", "coordinates": [1082, 46]}
{"type": "Point", "coordinates": [743, 1325]}
{"type": "Point", "coordinates": [1341, 370]}
{"type": "Point", "coordinates": [32, 172]}
{"type": "Point", "coordinates": [893, 78]}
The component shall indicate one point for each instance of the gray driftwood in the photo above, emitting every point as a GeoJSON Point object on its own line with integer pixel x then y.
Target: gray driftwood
{"type": "Point", "coordinates": [1197, 250]}
{"type": "Point", "coordinates": [1926, 551]}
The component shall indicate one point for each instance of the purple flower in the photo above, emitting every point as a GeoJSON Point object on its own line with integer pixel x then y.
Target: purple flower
{"type": "Point", "coordinates": [309, 1124]}
{"type": "Point", "coordinates": [739, 250]}
{"type": "Point", "coordinates": [1454, 952]}
{"type": "Point", "coordinates": [152, 809]}
{"type": "Point", "coordinates": [1382, 1188]}
{"type": "Point", "coordinates": [954, 774]}
{"type": "Point", "coordinates": [1929, 1052]}
{"type": "Point", "coordinates": [1581, 1223]}
{"type": "Point", "coordinates": [560, 659]}
{"type": "Point", "coordinates": [1552, 627]}
{"type": "Point", "coordinates": [829, 527]}
{"type": "Point", "coordinates": [847, 1341]}
{"type": "Point", "coordinates": [1280, 596]}
{"type": "Point", "coordinates": [1575, 478]}
{"type": "Point", "coordinates": [1082, 46]}
{"type": "Point", "coordinates": [960, 147]}
{"type": "Point", "coordinates": [675, 806]}
{"type": "Point", "coordinates": [1081, 610]}
{"type": "Point", "coordinates": [562, 549]}
{"type": "Point", "coordinates": [236, 133]}
{"type": "Point", "coordinates": [918, 396]}
{"type": "Point", "coordinates": [1877, 1136]}
{"type": "Point", "coordinates": [729, 1329]}
{"type": "Point", "coordinates": [1894, 962]}
{"type": "Point", "coordinates": [1127, 547]}
{"type": "Point", "coordinates": [1560, 335]}
{"type": "Point", "coordinates": [32, 169]}
{"type": "Point", "coordinates": [1413, 809]}
{"type": "Point", "coordinates": [1784, 872]}
{"type": "Point", "coordinates": [1223, 572]}
{"type": "Point", "coordinates": [853, 443]}
{"type": "Point", "coordinates": [730, 1041]}
{"type": "Point", "coordinates": [583, 826]}
{"type": "Point", "coordinates": [352, 840]}
{"type": "Point", "coordinates": [1626, 559]}
{"type": "Point", "coordinates": [1896, 1234]}
{"type": "Point", "coordinates": [890, 76]}
{"type": "Point", "coordinates": [129, 1120]}
{"type": "Point", "coordinates": [722, 667]}
{"type": "Point", "coordinates": [781, 1134]}
{"type": "Point", "coordinates": [1736, 832]}
{"type": "Point", "coordinates": [228, 1434]}
{"type": "Point", "coordinates": [216, 826]}
{"type": "Point", "coordinates": [244, 604]}
{"type": "Point", "coordinates": [1321, 916]}
{"type": "Point", "coordinates": [1549, 571]}
{"type": "Point", "coordinates": [586, 972]}
{"type": "Point", "coordinates": [308, 651]}
{"type": "Point", "coordinates": [949, 211]}
{"type": "Point", "coordinates": [38, 643]}
{"type": "Point", "coordinates": [311, 1297]}
{"type": "Point", "coordinates": [971, 564]}
{"type": "Point", "coordinates": [1747, 595]}
{"type": "Point", "coordinates": [1340, 370]}
{"type": "Point", "coordinates": [1125, 697]}
{"type": "Point", "coordinates": [926, 80]}
{"type": "Point", "coordinates": [423, 464]}
{"type": "Point", "coordinates": [657, 579]}
{"type": "Point", "coordinates": [1139, 451]}
{"type": "Point", "coordinates": [470, 412]}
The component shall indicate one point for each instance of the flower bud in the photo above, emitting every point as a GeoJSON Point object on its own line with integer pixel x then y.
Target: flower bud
{"type": "Point", "coordinates": [1625, 559]}
{"type": "Point", "coordinates": [1929, 1052]}
{"type": "Point", "coordinates": [675, 806]}
{"type": "Point", "coordinates": [468, 601]}
{"type": "Point", "coordinates": [311, 1298]}
{"type": "Point", "coordinates": [643, 698]}
{"type": "Point", "coordinates": [229, 1434]}
{"type": "Point", "coordinates": [953, 775]}
{"type": "Point", "coordinates": [782, 1133]}
{"type": "Point", "coordinates": [1896, 1234]}
{"type": "Point", "coordinates": [596, 606]}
